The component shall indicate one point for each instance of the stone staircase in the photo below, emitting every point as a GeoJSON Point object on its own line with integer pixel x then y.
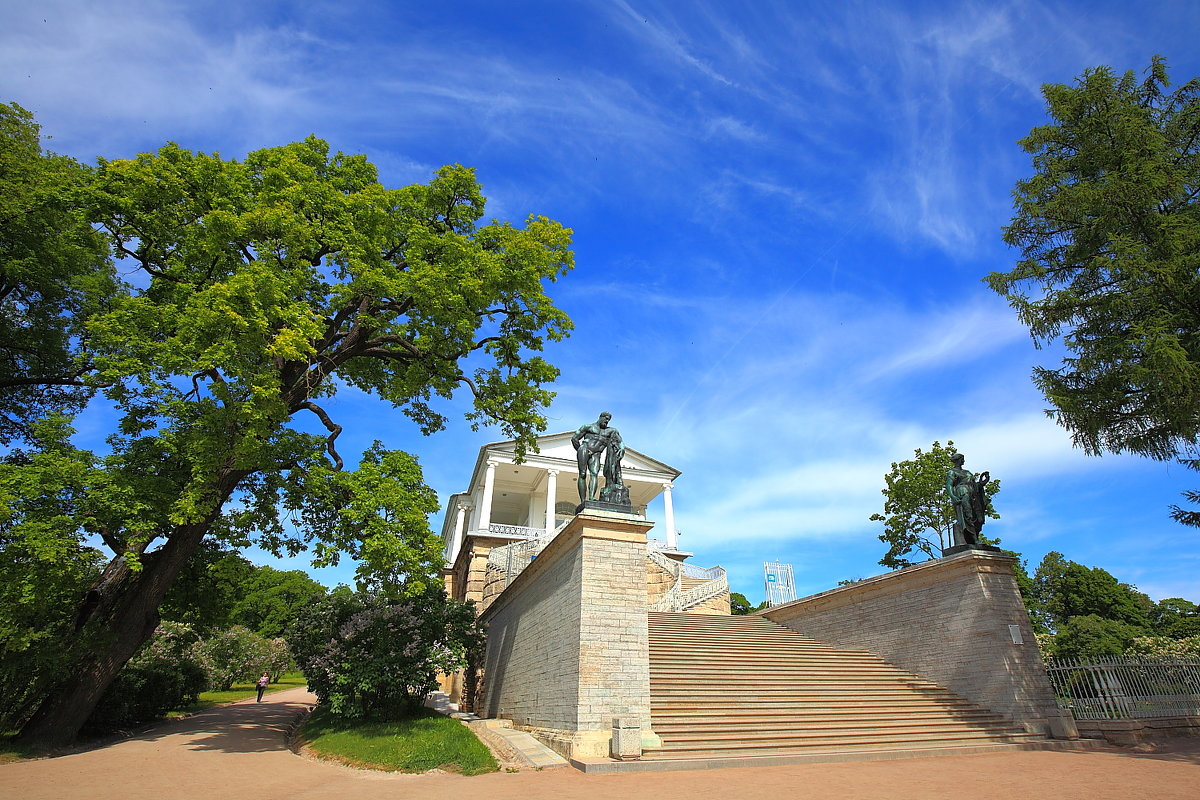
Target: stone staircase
{"type": "Point", "coordinates": [746, 688]}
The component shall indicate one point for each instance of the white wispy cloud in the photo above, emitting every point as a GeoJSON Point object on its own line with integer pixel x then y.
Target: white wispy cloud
{"type": "Point", "coordinates": [670, 42]}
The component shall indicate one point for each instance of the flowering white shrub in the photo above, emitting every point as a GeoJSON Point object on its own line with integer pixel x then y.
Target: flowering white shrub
{"type": "Point", "coordinates": [370, 657]}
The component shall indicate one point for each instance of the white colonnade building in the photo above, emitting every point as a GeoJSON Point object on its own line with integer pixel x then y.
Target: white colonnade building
{"type": "Point", "coordinates": [507, 503]}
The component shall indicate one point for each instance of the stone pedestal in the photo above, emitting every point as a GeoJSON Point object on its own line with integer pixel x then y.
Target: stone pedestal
{"type": "Point", "coordinates": [568, 645]}
{"type": "Point", "coordinates": [963, 548]}
{"type": "Point", "coordinates": [606, 508]}
{"type": "Point", "coordinates": [626, 739]}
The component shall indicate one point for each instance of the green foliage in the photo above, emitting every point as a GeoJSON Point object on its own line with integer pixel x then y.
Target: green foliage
{"type": "Point", "coordinates": [1065, 589]}
{"type": "Point", "coordinates": [1087, 612]}
{"type": "Point", "coordinates": [53, 274]}
{"type": "Point", "coordinates": [1109, 233]}
{"type": "Point", "coordinates": [916, 509]}
{"type": "Point", "coordinates": [1093, 635]}
{"type": "Point", "coordinates": [45, 568]}
{"type": "Point", "coordinates": [1176, 618]}
{"type": "Point", "coordinates": [211, 584]}
{"type": "Point", "coordinates": [421, 740]}
{"type": "Point", "coordinates": [277, 660]}
{"type": "Point", "coordinates": [370, 656]}
{"type": "Point", "coordinates": [262, 286]}
{"type": "Point", "coordinates": [271, 599]}
{"type": "Point", "coordinates": [219, 588]}
{"type": "Point", "coordinates": [1165, 646]}
{"type": "Point", "coordinates": [238, 654]}
{"type": "Point", "coordinates": [164, 675]}
{"type": "Point", "coordinates": [738, 604]}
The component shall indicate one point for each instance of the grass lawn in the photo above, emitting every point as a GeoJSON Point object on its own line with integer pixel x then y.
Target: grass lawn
{"type": "Point", "coordinates": [11, 752]}
{"type": "Point", "coordinates": [239, 691]}
{"type": "Point", "coordinates": [425, 741]}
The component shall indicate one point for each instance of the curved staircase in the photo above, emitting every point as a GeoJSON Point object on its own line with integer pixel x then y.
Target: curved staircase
{"type": "Point", "coordinates": [746, 688]}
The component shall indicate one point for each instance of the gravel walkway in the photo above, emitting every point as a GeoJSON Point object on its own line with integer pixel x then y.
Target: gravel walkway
{"type": "Point", "coordinates": [239, 751]}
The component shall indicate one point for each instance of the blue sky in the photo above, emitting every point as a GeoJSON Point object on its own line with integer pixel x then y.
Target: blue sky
{"type": "Point", "coordinates": [782, 215]}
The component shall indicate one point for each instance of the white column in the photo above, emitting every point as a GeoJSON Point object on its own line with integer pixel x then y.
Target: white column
{"type": "Point", "coordinates": [669, 514]}
{"type": "Point", "coordinates": [551, 495]}
{"type": "Point", "coordinates": [489, 486]}
{"type": "Point", "coordinates": [460, 527]}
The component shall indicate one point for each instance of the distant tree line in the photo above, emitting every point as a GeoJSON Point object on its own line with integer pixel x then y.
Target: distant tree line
{"type": "Point", "coordinates": [1081, 611]}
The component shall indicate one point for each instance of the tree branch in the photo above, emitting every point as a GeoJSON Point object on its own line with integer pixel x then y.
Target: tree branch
{"type": "Point", "coordinates": [334, 429]}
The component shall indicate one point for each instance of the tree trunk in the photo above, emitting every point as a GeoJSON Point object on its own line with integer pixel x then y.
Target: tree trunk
{"type": "Point", "coordinates": [120, 614]}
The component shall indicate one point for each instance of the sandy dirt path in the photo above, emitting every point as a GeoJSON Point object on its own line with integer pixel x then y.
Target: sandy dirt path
{"type": "Point", "coordinates": [239, 751]}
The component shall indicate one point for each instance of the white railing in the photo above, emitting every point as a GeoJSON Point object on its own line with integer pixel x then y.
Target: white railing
{"type": "Point", "coordinates": [669, 601]}
{"type": "Point", "coordinates": [670, 565]}
{"type": "Point", "coordinates": [511, 559]}
{"type": "Point", "coordinates": [703, 573]}
{"type": "Point", "coordinates": [516, 530]}
{"type": "Point", "coordinates": [715, 582]}
{"type": "Point", "coordinates": [705, 591]}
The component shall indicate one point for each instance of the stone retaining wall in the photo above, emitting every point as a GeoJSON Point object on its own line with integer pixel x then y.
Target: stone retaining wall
{"type": "Point", "coordinates": [1128, 732]}
{"type": "Point", "coordinates": [957, 621]}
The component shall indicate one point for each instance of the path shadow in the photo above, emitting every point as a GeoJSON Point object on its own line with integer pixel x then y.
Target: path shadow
{"type": "Point", "coordinates": [1182, 750]}
{"type": "Point", "coordinates": [242, 727]}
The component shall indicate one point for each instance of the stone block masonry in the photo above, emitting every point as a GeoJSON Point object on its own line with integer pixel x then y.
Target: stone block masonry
{"type": "Point", "coordinates": [957, 621]}
{"type": "Point", "coordinates": [568, 647]}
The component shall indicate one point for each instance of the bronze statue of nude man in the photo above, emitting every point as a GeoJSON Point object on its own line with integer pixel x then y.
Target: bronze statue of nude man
{"type": "Point", "coordinates": [590, 441]}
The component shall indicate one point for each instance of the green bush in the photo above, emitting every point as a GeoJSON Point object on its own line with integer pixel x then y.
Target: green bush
{"type": "Point", "coordinates": [1091, 635]}
{"type": "Point", "coordinates": [162, 676]}
{"type": "Point", "coordinates": [371, 657]}
{"type": "Point", "coordinates": [236, 654]}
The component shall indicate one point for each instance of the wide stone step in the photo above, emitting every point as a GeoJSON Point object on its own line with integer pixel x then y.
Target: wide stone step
{"type": "Point", "coordinates": [734, 687]}
{"type": "Point", "coordinates": [834, 704]}
{"type": "Point", "coordinates": [784, 673]}
{"type": "Point", "coordinates": [674, 728]}
{"type": "Point", "coordinates": [822, 739]}
{"type": "Point", "coordinates": [821, 711]}
{"type": "Point", "coordinates": [815, 690]}
{"type": "Point", "coordinates": [759, 649]}
{"type": "Point", "coordinates": [778, 756]}
{"type": "Point", "coordinates": [728, 659]}
{"type": "Point", "coordinates": [766, 653]}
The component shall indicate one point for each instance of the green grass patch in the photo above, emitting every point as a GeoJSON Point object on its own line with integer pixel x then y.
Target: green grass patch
{"type": "Point", "coordinates": [12, 752]}
{"type": "Point", "coordinates": [426, 740]}
{"type": "Point", "coordinates": [239, 691]}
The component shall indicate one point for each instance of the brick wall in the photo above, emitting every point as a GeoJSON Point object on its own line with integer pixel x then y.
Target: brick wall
{"type": "Point", "coordinates": [946, 620]}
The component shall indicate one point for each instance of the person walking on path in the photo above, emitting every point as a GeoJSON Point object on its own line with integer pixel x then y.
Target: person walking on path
{"type": "Point", "coordinates": [262, 685]}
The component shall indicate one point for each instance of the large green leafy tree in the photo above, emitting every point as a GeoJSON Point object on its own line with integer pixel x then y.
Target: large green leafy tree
{"type": "Point", "coordinates": [272, 599]}
{"type": "Point", "coordinates": [261, 287]}
{"type": "Point", "coordinates": [1065, 589]}
{"type": "Point", "coordinates": [1109, 233]}
{"type": "Point", "coordinates": [917, 515]}
{"type": "Point", "coordinates": [207, 589]}
{"type": "Point", "coordinates": [1175, 617]}
{"type": "Point", "coordinates": [52, 275]}
{"type": "Point", "coordinates": [45, 567]}
{"type": "Point", "coordinates": [219, 588]}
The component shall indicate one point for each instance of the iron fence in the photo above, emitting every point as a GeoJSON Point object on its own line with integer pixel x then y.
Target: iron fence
{"type": "Point", "coordinates": [1116, 687]}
